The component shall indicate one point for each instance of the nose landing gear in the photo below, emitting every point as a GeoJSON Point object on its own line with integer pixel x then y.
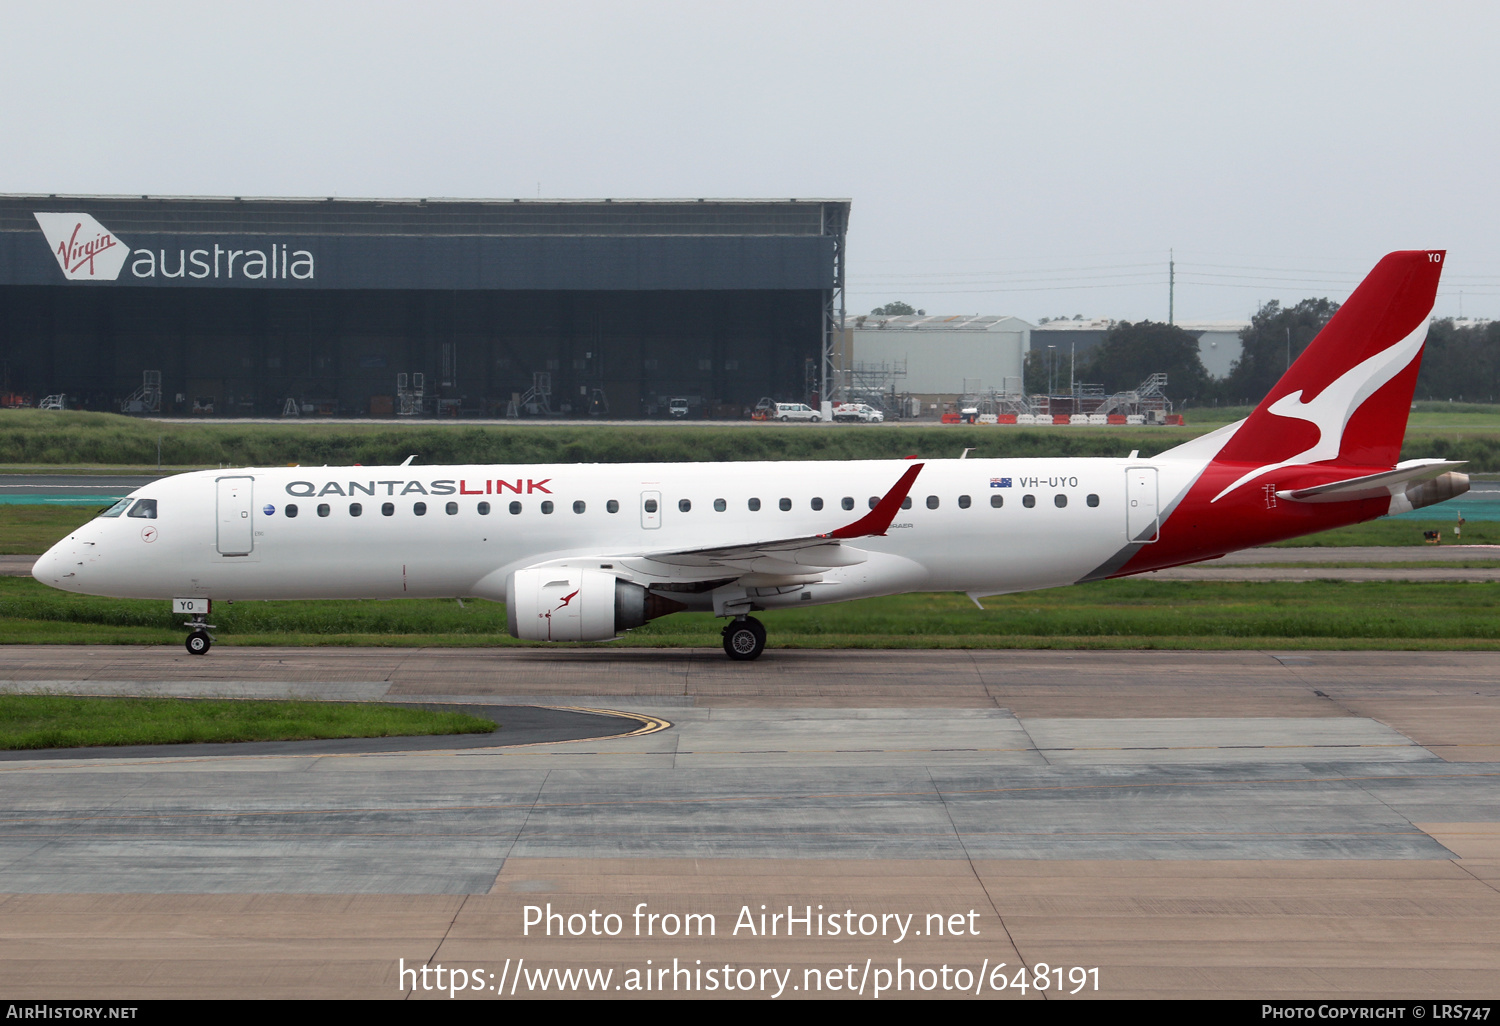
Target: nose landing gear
{"type": "Point", "coordinates": [744, 639]}
{"type": "Point", "coordinates": [199, 641]}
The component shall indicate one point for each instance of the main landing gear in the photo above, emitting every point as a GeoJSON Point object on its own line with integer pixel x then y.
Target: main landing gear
{"type": "Point", "coordinates": [744, 638]}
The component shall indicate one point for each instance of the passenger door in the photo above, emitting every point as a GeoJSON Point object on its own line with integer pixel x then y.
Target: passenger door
{"type": "Point", "coordinates": [236, 516]}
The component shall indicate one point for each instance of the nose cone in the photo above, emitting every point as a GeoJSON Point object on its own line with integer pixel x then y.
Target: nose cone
{"type": "Point", "coordinates": [53, 567]}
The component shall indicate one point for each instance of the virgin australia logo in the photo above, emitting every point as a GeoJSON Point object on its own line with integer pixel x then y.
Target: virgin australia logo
{"type": "Point", "coordinates": [84, 248]}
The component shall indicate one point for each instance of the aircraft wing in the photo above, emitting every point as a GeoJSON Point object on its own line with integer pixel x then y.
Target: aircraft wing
{"type": "Point", "coordinates": [791, 556]}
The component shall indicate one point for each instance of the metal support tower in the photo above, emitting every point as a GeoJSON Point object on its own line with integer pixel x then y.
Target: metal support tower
{"type": "Point", "coordinates": [836, 228]}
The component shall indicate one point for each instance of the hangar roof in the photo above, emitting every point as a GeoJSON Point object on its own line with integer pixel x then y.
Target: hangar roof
{"type": "Point", "coordinates": [482, 217]}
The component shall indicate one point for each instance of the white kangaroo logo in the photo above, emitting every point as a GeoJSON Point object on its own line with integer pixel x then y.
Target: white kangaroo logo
{"type": "Point", "coordinates": [1332, 408]}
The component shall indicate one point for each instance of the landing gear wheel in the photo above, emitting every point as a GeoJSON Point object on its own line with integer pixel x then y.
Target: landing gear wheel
{"type": "Point", "coordinates": [744, 639]}
{"type": "Point", "coordinates": [198, 643]}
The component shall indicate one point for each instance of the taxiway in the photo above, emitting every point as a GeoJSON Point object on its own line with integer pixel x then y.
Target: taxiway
{"type": "Point", "coordinates": [1246, 824]}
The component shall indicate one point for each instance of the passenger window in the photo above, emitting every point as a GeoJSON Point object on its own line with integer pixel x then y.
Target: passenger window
{"type": "Point", "coordinates": [963, 502]}
{"type": "Point", "coordinates": [1028, 501]}
{"type": "Point", "coordinates": [754, 505]}
{"type": "Point", "coordinates": [847, 502]}
{"type": "Point", "coordinates": [515, 508]}
{"type": "Point", "coordinates": [291, 511]}
{"type": "Point", "coordinates": [1060, 500]}
{"type": "Point", "coordinates": [932, 502]}
{"type": "Point", "coordinates": [785, 504]}
{"type": "Point", "coordinates": [355, 509]}
{"type": "Point", "coordinates": [451, 509]}
{"type": "Point", "coordinates": [322, 509]}
{"type": "Point", "coordinates": [419, 508]}
{"type": "Point", "coordinates": [684, 505]}
{"type": "Point", "coordinates": [874, 501]}
{"type": "Point", "coordinates": [611, 506]}
{"type": "Point", "coordinates": [817, 503]}
{"type": "Point", "coordinates": [1093, 500]}
{"type": "Point", "coordinates": [387, 509]}
{"type": "Point", "coordinates": [144, 508]}
{"type": "Point", "coordinates": [547, 506]}
{"type": "Point", "coordinates": [650, 505]}
{"type": "Point", "coordinates": [720, 505]}
{"type": "Point", "coordinates": [116, 509]}
{"type": "Point", "coordinates": [906, 502]}
{"type": "Point", "coordinates": [579, 506]}
{"type": "Point", "coordinates": [996, 501]}
{"type": "Point", "coordinates": [484, 509]}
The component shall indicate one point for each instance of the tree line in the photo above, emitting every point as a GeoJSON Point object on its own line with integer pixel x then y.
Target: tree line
{"type": "Point", "coordinates": [1460, 363]}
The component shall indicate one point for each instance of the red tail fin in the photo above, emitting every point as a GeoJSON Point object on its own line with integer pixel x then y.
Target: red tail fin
{"type": "Point", "coordinates": [1346, 397]}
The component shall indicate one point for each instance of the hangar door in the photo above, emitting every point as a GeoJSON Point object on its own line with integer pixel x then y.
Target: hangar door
{"type": "Point", "coordinates": [236, 525]}
{"type": "Point", "coordinates": [1142, 523]}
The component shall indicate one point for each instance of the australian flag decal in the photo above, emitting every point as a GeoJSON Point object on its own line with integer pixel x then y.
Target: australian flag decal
{"type": "Point", "coordinates": [999, 482]}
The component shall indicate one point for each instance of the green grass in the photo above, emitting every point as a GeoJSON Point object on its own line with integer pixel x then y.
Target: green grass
{"type": "Point", "coordinates": [31, 530]}
{"type": "Point", "coordinates": [1411, 564]}
{"type": "Point", "coordinates": [42, 437]}
{"type": "Point", "coordinates": [56, 721]}
{"type": "Point", "coordinates": [56, 439]}
{"type": "Point", "coordinates": [1106, 614]}
{"type": "Point", "coordinates": [1388, 532]}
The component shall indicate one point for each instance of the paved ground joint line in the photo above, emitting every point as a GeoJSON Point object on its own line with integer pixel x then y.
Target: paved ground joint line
{"type": "Point", "coordinates": [1464, 869]}
{"type": "Point", "coordinates": [970, 860]}
{"type": "Point", "coordinates": [437, 947]}
{"type": "Point", "coordinates": [535, 800]}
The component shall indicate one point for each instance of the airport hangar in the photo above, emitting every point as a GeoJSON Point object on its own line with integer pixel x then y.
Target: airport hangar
{"type": "Point", "coordinates": [251, 302]}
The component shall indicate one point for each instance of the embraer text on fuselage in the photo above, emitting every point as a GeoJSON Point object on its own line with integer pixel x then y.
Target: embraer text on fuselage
{"type": "Point", "coordinates": [445, 486]}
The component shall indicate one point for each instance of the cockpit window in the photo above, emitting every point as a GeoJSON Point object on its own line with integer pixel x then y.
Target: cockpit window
{"type": "Point", "coordinates": [117, 508]}
{"type": "Point", "coordinates": [144, 508]}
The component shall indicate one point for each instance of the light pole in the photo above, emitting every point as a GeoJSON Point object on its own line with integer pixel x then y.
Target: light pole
{"type": "Point", "coordinates": [1051, 370]}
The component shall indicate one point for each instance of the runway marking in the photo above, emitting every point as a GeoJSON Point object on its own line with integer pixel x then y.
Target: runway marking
{"type": "Point", "coordinates": [616, 802]}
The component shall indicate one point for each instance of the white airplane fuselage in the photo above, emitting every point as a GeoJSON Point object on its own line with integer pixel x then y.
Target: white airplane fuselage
{"type": "Point", "coordinates": [226, 534]}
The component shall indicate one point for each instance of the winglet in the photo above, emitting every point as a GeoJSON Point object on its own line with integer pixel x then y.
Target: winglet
{"type": "Point", "coordinates": [875, 523]}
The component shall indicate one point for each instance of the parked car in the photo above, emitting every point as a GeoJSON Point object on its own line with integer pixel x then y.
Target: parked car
{"type": "Point", "coordinates": [861, 412]}
{"type": "Point", "coordinates": [677, 407]}
{"type": "Point", "coordinates": [796, 411]}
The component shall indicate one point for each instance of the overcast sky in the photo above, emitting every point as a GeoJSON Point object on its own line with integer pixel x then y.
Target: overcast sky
{"type": "Point", "coordinates": [1028, 158]}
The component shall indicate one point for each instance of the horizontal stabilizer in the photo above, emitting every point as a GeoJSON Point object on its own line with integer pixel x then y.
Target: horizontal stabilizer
{"type": "Point", "coordinates": [1386, 484]}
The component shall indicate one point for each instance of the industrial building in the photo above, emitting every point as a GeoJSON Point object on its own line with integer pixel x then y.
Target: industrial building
{"type": "Point", "coordinates": [932, 359]}
{"type": "Point", "coordinates": [264, 307]}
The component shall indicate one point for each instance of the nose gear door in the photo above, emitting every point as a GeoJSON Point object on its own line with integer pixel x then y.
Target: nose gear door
{"type": "Point", "coordinates": [236, 516]}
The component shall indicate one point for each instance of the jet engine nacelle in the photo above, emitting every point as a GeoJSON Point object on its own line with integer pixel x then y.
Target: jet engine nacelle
{"type": "Point", "coordinates": [1439, 489]}
{"type": "Point", "coordinates": [572, 604]}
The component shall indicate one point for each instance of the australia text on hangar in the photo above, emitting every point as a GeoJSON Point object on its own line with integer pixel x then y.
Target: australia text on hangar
{"type": "Point", "coordinates": [88, 251]}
